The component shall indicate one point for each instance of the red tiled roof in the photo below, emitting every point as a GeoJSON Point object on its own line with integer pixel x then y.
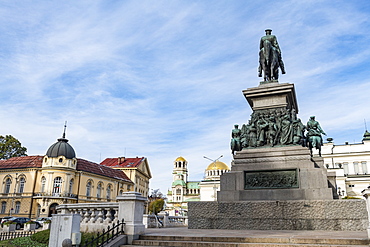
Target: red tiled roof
{"type": "Point", "coordinates": [82, 165]}
{"type": "Point", "coordinates": [88, 166]}
{"type": "Point", "coordinates": [122, 162]}
{"type": "Point", "coordinates": [22, 162]}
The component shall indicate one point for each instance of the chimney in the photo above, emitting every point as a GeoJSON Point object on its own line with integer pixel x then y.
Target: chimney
{"type": "Point", "coordinates": [121, 160]}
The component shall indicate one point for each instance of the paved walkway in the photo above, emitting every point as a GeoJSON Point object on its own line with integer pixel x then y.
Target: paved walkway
{"type": "Point", "coordinates": [184, 231]}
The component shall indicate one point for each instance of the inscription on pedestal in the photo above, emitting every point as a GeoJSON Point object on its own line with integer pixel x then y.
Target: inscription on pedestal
{"type": "Point", "coordinates": [271, 179]}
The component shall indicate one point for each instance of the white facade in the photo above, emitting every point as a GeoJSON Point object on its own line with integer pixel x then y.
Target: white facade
{"type": "Point", "coordinates": [351, 162]}
{"type": "Point", "coordinates": [182, 191]}
{"type": "Point", "coordinates": [211, 183]}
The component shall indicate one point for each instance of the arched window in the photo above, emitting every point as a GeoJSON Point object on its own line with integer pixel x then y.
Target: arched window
{"type": "Point", "coordinates": [43, 183]}
{"type": "Point", "coordinates": [109, 189]}
{"type": "Point", "coordinates": [17, 207]}
{"type": "Point", "coordinates": [22, 181]}
{"type": "Point", "coordinates": [70, 189]}
{"type": "Point", "coordinates": [8, 182]}
{"type": "Point", "coordinates": [98, 190]}
{"type": "Point", "coordinates": [88, 188]}
{"type": "Point", "coordinates": [3, 207]}
{"type": "Point", "coordinates": [57, 186]}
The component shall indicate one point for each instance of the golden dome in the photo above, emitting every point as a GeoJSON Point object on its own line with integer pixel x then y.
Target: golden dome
{"type": "Point", "coordinates": [218, 165]}
{"type": "Point", "coordinates": [180, 159]}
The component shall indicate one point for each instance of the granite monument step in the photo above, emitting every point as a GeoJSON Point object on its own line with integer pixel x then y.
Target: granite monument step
{"type": "Point", "coordinates": [233, 238]}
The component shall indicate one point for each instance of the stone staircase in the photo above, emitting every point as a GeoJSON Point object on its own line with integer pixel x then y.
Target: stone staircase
{"type": "Point", "coordinates": [283, 241]}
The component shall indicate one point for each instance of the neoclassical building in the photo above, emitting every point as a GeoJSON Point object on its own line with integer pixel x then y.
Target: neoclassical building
{"type": "Point", "coordinates": [137, 169]}
{"type": "Point", "coordinates": [211, 183]}
{"type": "Point", "coordinates": [33, 186]}
{"type": "Point", "coordinates": [182, 191]}
{"type": "Point", "coordinates": [351, 164]}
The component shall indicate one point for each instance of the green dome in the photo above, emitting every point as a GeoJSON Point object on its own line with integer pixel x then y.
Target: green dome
{"type": "Point", "coordinates": [179, 182]}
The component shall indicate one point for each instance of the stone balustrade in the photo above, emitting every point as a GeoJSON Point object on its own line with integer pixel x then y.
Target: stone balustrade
{"type": "Point", "coordinates": [163, 220]}
{"type": "Point", "coordinates": [94, 216]}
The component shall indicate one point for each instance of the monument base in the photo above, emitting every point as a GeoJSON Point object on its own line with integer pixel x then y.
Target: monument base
{"type": "Point", "coordinates": [276, 173]}
{"type": "Point", "coordinates": [328, 215]}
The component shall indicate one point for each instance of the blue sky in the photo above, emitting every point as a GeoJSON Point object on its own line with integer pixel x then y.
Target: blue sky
{"type": "Point", "coordinates": [163, 79]}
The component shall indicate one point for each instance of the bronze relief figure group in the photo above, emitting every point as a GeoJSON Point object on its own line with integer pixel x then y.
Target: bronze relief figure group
{"type": "Point", "coordinates": [276, 127]}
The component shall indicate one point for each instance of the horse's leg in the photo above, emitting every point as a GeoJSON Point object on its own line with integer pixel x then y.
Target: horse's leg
{"type": "Point", "coordinates": [260, 70]}
{"type": "Point", "coordinates": [264, 67]}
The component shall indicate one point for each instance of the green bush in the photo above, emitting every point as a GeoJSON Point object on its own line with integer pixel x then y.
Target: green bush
{"type": "Point", "coordinates": [26, 242]}
{"type": "Point", "coordinates": [7, 223]}
{"type": "Point", "coordinates": [41, 236]}
{"type": "Point", "coordinates": [87, 236]}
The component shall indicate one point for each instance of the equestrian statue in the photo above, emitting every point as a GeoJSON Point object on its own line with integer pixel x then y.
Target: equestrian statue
{"type": "Point", "coordinates": [314, 138]}
{"type": "Point", "coordinates": [270, 58]}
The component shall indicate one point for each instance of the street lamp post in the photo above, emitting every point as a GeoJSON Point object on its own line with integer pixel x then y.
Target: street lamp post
{"type": "Point", "coordinates": [15, 190]}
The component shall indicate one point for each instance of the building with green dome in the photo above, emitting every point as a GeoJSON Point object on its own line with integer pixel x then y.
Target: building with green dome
{"type": "Point", "coordinates": [182, 190]}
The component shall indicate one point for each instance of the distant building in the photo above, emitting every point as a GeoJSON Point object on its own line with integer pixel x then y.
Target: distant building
{"type": "Point", "coordinates": [182, 191]}
{"type": "Point", "coordinates": [211, 183]}
{"type": "Point", "coordinates": [32, 186]}
{"type": "Point", "coordinates": [351, 163]}
{"type": "Point", "coordinates": [137, 169]}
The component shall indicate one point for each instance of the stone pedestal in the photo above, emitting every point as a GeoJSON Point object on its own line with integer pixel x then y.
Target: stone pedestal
{"type": "Point", "coordinates": [274, 183]}
{"type": "Point", "coordinates": [64, 226]}
{"type": "Point", "coordinates": [277, 173]}
{"type": "Point", "coordinates": [323, 215]}
{"type": "Point", "coordinates": [131, 209]}
{"type": "Point", "coordinates": [272, 96]}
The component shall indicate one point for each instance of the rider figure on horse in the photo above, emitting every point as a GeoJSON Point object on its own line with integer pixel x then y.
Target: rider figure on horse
{"type": "Point", "coordinates": [314, 132]}
{"type": "Point", "coordinates": [273, 40]}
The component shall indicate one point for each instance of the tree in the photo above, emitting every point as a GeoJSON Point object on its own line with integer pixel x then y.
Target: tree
{"type": "Point", "coordinates": [156, 201]}
{"type": "Point", "coordinates": [11, 147]}
{"type": "Point", "coordinates": [156, 206]}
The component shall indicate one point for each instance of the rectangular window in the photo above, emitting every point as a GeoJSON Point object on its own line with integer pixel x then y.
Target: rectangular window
{"type": "Point", "coordinates": [364, 167]}
{"type": "Point", "coordinates": [3, 207]}
{"type": "Point", "coordinates": [345, 168]}
{"type": "Point", "coordinates": [355, 165]}
{"type": "Point", "coordinates": [17, 207]}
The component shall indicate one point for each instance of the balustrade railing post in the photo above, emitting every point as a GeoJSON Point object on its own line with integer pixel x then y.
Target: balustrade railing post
{"type": "Point", "coordinates": [99, 219]}
{"type": "Point", "coordinates": [87, 215]}
{"type": "Point", "coordinates": [92, 216]}
{"type": "Point", "coordinates": [115, 217]}
{"type": "Point", "coordinates": [108, 219]}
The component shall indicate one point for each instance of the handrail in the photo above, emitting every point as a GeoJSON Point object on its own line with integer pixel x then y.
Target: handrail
{"type": "Point", "coordinates": [106, 236]}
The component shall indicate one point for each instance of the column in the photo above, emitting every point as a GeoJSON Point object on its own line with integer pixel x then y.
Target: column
{"type": "Point", "coordinates": [366, 194]}
{"type": "Point", "coordinates": [131, 209]}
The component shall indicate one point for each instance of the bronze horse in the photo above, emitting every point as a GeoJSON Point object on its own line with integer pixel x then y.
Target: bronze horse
{"type": "Point", "coordinates": [314, 142]}
{"type": "Point", "coordinates": [269, 62]}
